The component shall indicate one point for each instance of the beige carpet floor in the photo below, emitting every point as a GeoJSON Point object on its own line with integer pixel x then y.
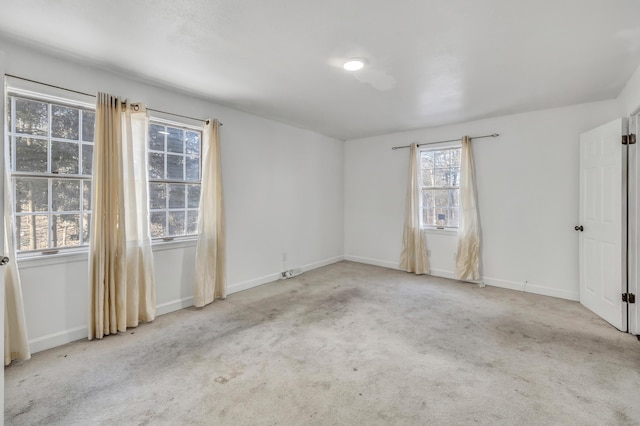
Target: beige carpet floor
{"type": "Point", "coordinates": [346, 344]}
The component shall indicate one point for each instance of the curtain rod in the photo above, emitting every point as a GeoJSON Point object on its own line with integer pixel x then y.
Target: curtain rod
{"type": "Point", "coordinates": [494, 135]}
{"type": "Point", "coordinates": [93, 96]}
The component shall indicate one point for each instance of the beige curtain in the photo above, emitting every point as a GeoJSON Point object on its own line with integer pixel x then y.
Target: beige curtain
{"type": "Point", "coordinates": [121, 261]}
{"type": "Point", "coordinates": [468, 254]}
{"type": "Point", "coordinates": [210, 276]}
{"type": "Point", "coordinates": [414, 249]}
{"type": "Point", "coordinates": [16, 345]}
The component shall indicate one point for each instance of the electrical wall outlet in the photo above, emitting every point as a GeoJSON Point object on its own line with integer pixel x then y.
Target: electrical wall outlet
{"type": "Point", "coordinates": [284, 256]}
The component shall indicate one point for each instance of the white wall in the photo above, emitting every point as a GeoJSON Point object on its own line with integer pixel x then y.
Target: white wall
{"type": "Point", "coordinates": [629, 97]}
{"type": "Point", "coordinates": [528, 196]}
{"type": "Point", "coordinates": [283, 193]}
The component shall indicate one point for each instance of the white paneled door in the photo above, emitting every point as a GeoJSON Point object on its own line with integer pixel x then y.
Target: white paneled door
{"type": "Point", "coordinates": [602, 226]}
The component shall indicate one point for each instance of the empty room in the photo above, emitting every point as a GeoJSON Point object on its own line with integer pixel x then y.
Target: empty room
{"type": "Point", "coordinates": [357, 212]}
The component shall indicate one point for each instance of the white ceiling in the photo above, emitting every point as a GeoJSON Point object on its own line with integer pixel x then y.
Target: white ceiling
{"type": "Point", "coordinates": [430, 62]}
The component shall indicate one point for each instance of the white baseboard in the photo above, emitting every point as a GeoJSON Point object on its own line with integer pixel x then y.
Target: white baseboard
{"type": "Point", "coordinates": [58, 339]}
{"type": "Point", "coordinates": [375, 262]}
{"type": "Point", "coordinates": [494, 282]}
{"type": "Point", "coordinates": [174, 305]}
{"type": "Point", "coordinates": [67, 336]}
{"type": "Point", "coordinates": [321, 263]}
{"type": "Point", "coordinates": [246, 285]}
{"type": "Point", "coordinates": [532, 288]}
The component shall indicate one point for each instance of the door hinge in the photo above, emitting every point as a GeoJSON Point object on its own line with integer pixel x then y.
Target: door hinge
{"type": "Point", "coordinates": [629, 139]}
{"type": "Point", "coordinates": [628, 297]}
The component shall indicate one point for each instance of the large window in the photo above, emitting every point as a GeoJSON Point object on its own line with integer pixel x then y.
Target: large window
{"type": "Point", "coordinates": [51, 151]}
{"type": "Point", "coordinates": [174, 180]}
{"type": "Point", "coordinates": [440, 187]}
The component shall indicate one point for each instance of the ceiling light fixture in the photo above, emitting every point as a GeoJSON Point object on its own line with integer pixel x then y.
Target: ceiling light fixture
{"type": "Point", "coordinates": [353, 64]}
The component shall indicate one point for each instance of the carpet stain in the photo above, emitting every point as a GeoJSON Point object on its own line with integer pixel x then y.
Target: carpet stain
{"type": "Point", "coordinates": [343, 344]}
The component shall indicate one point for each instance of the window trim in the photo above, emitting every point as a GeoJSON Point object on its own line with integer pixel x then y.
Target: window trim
{"type": "Point", "coordinates": [11, 94]}
{"type": "Point", "coordinates": [153, 119]}
{"type": "Point", "coordinates": [446, 230]}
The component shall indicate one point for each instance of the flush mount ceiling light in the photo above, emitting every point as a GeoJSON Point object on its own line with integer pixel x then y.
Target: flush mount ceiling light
{"type": "Point", "coordinates": [353, 64]}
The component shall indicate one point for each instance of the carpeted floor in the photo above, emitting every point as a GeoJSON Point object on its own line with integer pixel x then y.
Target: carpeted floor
{"type": "Point", "coordinates": [346, 344]}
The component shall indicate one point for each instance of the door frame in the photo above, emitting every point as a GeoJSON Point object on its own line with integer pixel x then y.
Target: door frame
{"type": "Point", "coordinates": [633, 226]}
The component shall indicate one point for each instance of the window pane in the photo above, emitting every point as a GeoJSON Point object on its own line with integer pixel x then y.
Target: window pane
{"type": "Point", "coordinates": [440, 159]}
{"type": "Point", "coordinates": [442, 217]}
{"type": "Point", "coordinates": [193, 168]}
{"type": "Point", "coordinates": [175, 167]}
{"type": "Point", "coordinates": [157, 196]}
{"type": "Point", "coordinates": [88, 125]}
{"type": "Point", "coordinates": [65, 230]}
{"type": "Point", "coordinates": [427, 198]}
{"type": "Point", "coordinates": [427, 177]}
{"type": "Point", "coordinates": [453, 197]}
{"type": "Point", "coordinates": [454, 177]}
{"type": "Point", "coordinates": [158, 224]}
{"type": "Point", "coordinates": [427, 159]}
{"type": "Point", "coordinates": [428, 217]}
{"type": "Point", "coordinates": [66, 195]}
{"type": "Point", "coordinates": [192, 142]}
{"type": "Point", "coordinates": [32, 117]}
{"type": "Point", "coordinates": [64, 157]}
{"type": "Point", "coordinates": [87, 159]}
{"type": "Point", "coordinates": [156, 166]}
{"type": "Point", "coordinates": [32, 232]}
{"type": "Point", "coordinates": [441, 197]}
{"type": "Point", "coordinates": [86, 227]}
{"type": "Point", "coordinates": [193, 201]}
{"type": "Point", "coordinates": [453, 217]}
{"type": "Point", "coordinates": [156, 139]}
{"type": "Point", "coordinates": [31, 155]}
{"type": "Point", "coordinates": [192, 222]}
{"type": "Point", "coordinates": [31, 195]}
{"type": "Point", "coordinates": [454, 157]}
{"type": "Point", "coordinates": [86, 195]}
{"type": "Point", "coordinates": [176, 196]}
{"type": "Point", "coordinates": [441, 177]}
{"type": "Point", "coordinates": [174, 140]}
{"type": "Point", "coordinates": [65, 122]}
{"type": "Point", "coordinates": [176, 223]}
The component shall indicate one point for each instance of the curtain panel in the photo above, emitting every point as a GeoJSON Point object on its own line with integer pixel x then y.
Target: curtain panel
{"type": "Point", "coordinates": [414, 247]}
{"type": "Point", "coordinates": [468, 253]}
{"type": "Point", "coordinates": [122, 282]}
{"type": "Point", "coordinates": [16, 344]}
{"type": "Point", "coordinates": [210, 273]}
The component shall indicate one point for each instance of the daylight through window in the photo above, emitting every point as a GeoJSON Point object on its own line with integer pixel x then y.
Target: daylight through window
{"type": "Point", "coordinates": [174, 180]}
{"type": "Point", "coordinates": [51, 152]}
{"type": "Point", "coordinates": [440, 187]}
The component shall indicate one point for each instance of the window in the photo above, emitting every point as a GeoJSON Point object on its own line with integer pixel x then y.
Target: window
{"type": "Point", "coordinates": [51, 153]}
{"type": "Point", "coordinates": [440, 187]}
{"type": "Point", "coordinates": [174, 180]}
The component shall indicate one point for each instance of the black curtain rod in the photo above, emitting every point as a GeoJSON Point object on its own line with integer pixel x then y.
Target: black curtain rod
{"type": "Point", "coordinates": [93, 96]}
{"type": "Point", "coordinates": [494, 135]}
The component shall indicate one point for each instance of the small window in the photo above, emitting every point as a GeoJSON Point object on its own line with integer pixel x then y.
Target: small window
{"type": "Point", "coordinates": [174, 180]}
{"type": "Point", "coordinates": [440, 187]}
{"type": "Point", "coordinates": [51, 154]}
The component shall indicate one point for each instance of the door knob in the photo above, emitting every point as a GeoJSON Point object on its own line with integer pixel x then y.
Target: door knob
{"type": "Point", "coordinates": [579, 228]}
{"type": "Point", "coordinates": [4, 260]}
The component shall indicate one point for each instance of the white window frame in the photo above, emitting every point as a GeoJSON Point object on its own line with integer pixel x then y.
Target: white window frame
{"type": "Point", "coordinates": [434, 228]}
{"type": "Point", "coordinates": [11, 138]}
{"type": "Point", "coordinates": [185, 127]}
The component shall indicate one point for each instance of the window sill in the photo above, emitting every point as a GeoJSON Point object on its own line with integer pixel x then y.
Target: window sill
{"type": "Point", "coordinates": [446, 231]}
{"type": "Point", "coordinates": [160, 244]}
{"type": "Point", "coordinates": [37, 259]}
{"type": "Point", "coordinates": [34, 260]}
